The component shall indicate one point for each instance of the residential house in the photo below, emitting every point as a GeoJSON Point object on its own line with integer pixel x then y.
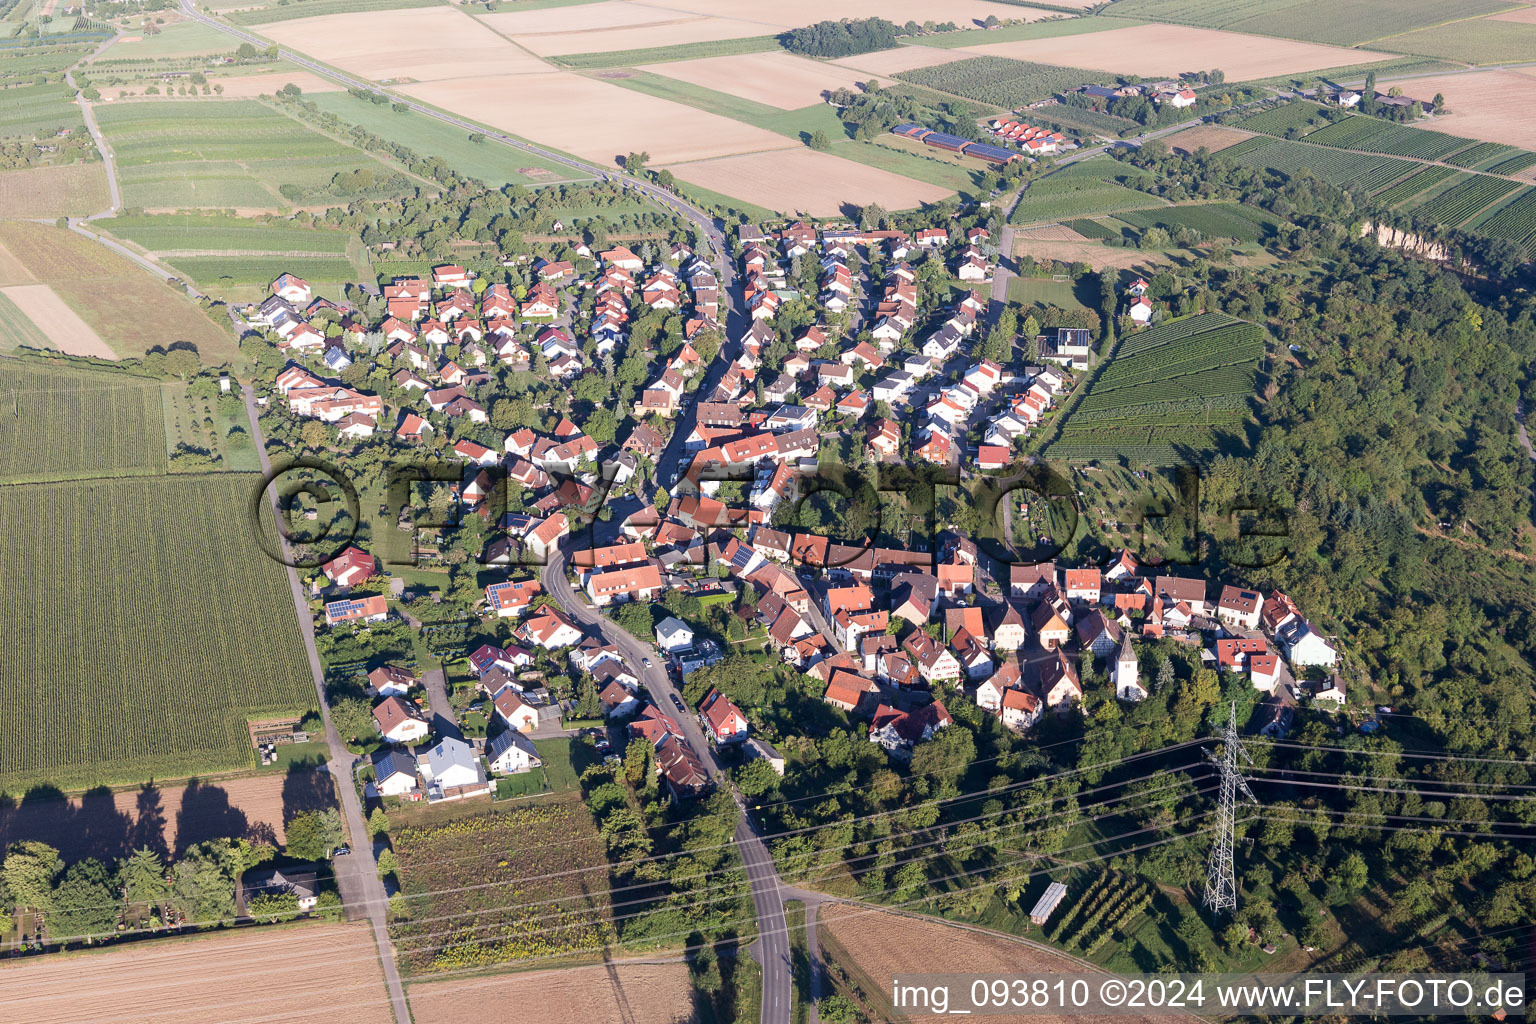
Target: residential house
{"type": "Point", "coordinates": [725, 722]}
{"type": "Point", "coordinates": [394, 772]}
{"type": "Point", "coordinates": [451, 771]}
{"type": "Point", "coordinates": [510, 752]}
{"type": "Point", "coordinates": [401, 721]}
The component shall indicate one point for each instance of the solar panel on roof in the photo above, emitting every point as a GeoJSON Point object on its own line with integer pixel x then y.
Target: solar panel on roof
{"type": "Point", "coordinates": [939, 138]}
{"type": "Point", "coordinates": [976, 149]}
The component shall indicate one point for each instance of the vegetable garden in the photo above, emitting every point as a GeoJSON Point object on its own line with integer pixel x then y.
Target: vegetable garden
{"type": "Point", "coordinates": [131, 652]}
{"type": "Point", "coordinates": [1167, 388]}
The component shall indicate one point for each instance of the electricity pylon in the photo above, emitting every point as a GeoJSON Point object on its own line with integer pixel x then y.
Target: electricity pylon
{"type": "Point", "coordinates": [1220, 876]}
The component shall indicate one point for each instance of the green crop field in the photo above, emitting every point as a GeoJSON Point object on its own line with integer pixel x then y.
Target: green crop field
{"type": "Point", "coordinates": [1166, 393]}
{"type": "Point", "coordinates": [493, 164]}
{"type": "Point", "coordinates": [262, 270]}
{"type": "Point", "coordinates": [1000, 81]}
{"type": "Point", "coordinates": [37, 111]}
{"type": "Point", "coordinates": [1337, 167]}
{"type": "Point", "coordinates": [1514, 220]}
{"type": "Point", "coordinates": [796, 124]}
{"type": "Point", "coordinates": [145, 628]}
{"type": "Point", "coordinates": [1458, 205]}
{"type": "Point", "coordinates": [17, 330]}
{"type": "Point", "coordinates": [1514, 164]}
{"type": "Point", "coordinates": [1473, 41]}
{"type": "Point", "coordinates": [666, 54]}
{"type": "Point", "coordinates": [315, 8]}
{"type": "Point", "coordinates": [1213, 220]}
{"type": "Point", "coordinates": [189, 232]}
{"type": "Point", "coordinates": [1042, 291]}
{"type": "Point", "coordinates": [1371, 135]}
{"type": "Point", "coordinates": [1093, 229]}
{"type": "Point", "coordinates": [1077, 119]}
{"type": "Point", "coordinates": [231, 153]}
{"type": "Point", "coordinates": [524, 884]}
{"type": "Point", "coordinates": [1408, 188]}
{"type": "Point", "coordinates": [1482, 156]}
{"type": "Point", "coordinates": [1062, 197]}
{"type": "Point", "coordinates": [886, 154]}
{"type": "Point", "coordinates": [1339, 22]}
{"type": "Point", "coordinates": [186, 39]}
{"type": "Point", "coordinates": [64, 423]}
{"type": "Point", "coordinates": [1278, 120]}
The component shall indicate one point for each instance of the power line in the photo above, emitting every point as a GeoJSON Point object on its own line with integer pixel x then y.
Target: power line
{"type": "Point", "coordinates": [1220, 876]}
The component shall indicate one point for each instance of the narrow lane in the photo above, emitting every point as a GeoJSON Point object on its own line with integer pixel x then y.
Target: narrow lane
{"type": "Point", "coordinates": [357, 873]}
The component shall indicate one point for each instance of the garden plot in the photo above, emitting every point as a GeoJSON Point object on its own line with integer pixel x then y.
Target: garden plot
{"type": "Point", "coordinates": [805, 181]}
{"type": "Point", "coordinates": [781, 80]}
{"type": "Point", "coordinates": [595, 120]}
{"type": "Point", "coordinates": [421, 44]}
{"type": "Point", "coordinates": [1167, 50]}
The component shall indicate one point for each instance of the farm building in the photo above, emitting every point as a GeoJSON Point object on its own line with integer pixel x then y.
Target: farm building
{"type": "Point", "coordinates": [991, 154]}
{"type": "Point", "coordinates": [1047, 904]}
{"type": "Point", "coordinates": [953, 143]}
{"type": "Point", "coordinates": [911, 131]}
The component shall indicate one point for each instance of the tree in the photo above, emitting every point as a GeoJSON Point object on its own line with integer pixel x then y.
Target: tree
{"type": "Point", "coordinates": [205, 880]}
{"type": "Point", "coordinates": [634, 163]}
{"type": "Point", "coordinates": [1165, 673]}
{"type": "Point", "coordinates": [312, 835]}
{"type": "Point", "coordinates": [389, 864]}
{"type": "Point", "coordinates": [819, 141]}
{"type": "Point", "coordinates": [182, 362]}
{"type": "Point", "coordinates": [639, 762]}
{"type": "Point", "coordinates": [85, 903]}
{"type": "Point", "coordinates": [478, 138]}
{"type": "Point", "coordinates": [314, 434]}
{"type": "Point", "coordinates": [1368, 94]}
{"type": "Point", "coordinates": [274, 906]}
{"type": "Point", "coordinates": [143, 877]}
{"type": "Point", "coordinates": [29, 870]}
{"type": "Point", "coordinates": [378, 822]}
{"type": "Point", "coordinates": [757, 778]}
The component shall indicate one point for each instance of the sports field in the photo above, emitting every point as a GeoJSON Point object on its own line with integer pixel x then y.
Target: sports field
{"type": "Point", "coordinates": [126, 307]}
{"type": "Point", "coordinates": [152, 584]}
{"type": "Point", "coordinates": [1169, 50]}
{"type": "Point", "coordinates": [805, 181]}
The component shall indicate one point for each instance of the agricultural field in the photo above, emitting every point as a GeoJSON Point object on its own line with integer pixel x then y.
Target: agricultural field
{"type": "Point", "coordinates": [484, 871]}
{"type": "Point", "coordinates": [1213, 138]}
{"type": "Point", "coordinates": [667, 54]}
{"type": "Point", "coordinates": [183, 39]}
{"type": "Point", "coordinates": [37, 111]}
{"type": "Point", "coordinates": [1474, 41]}
{"type": "Point", "coordinates": [65, 423]}
{"type": "Point", "coordinates": [1347, 22]}
{"type": "Point", "coordinates": [54, 190]}
{"type": "Point", "coordinates": [819, 184]}
{"type": "Point", "coordinates": [1515, 220]}
{"type": "Point", "coordinates": [495, 165]}
{"type": "Point", "coordinates": [1001, 81]}
{"type": "Point", "coordinates": [1092, 122]}
{"type": "Point", "coordinates": [912, 159]}
{"type": "Point", "coordinates": [1372, 135]}
{"type": "Point", "coordinates": [1039, 291]}
{"type": "Point", "coordinates": [1074, 194]}
{"type": "Point", "coordinates": [190, 233]}
{"type": "Point", "coordinates": [236, 276]}
{"type": "Point", "coordinates": [1213, 220]}
{"type": "Point", "coordinates": [1335, 166]}
{"type": "Point", "coordinates": [1419, 183]}
{"type": "Point", "coordinates": [1109, 906]}
{"type": "Point", "coordinates": [1491, 105]}
{"type": "Point", "coordinates": [65, 331]}
{"type": "Point", "coordinates": [778, 79]}
{"type": "Point", "coordinates": [17, 329]}
{"type": "Point", "coordinates": [1458, 205]}
{"type": "Point", "coordinates": [1302, 115]}
{"type": "Point", "coordinates": [1168, 392]}
{"type": "Point", "coordinates": [117, 299]}
{"type": "Point", "coordinates": [145, 573]}
{"type": "Point", "coordinates": [318, 8]}
{"type": "Point", "coordinates": [794, 123]}
{"type": "Point", "coordinates": [1485, 155]}
{"type": "Point", "coordinates": [1169, 50]}
{"type": "Point", "coordinates": [1018, 33]}
{"type": "Point", "coordinates": [303, 974]}
{"type": "Point", "coordinates": [235, 154]}
{"type": "Point", "coordinates": [621, 994]}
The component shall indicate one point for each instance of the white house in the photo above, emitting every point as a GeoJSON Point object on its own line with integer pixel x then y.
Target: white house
{"type": "Point", "coordinates": [1305, 646]}
{"type": "Point", "coordinates": [673, 634]}
{"type": "Point", "coordinates": [519, 715]}
{"type": "Point", "coordinates": [401, 721]}
{"type": "Point", "coordinates": [451, 771]}
{"type": "Point", "coordinates": [511, 752]}
{"type": "Point", "coordinates": [394, 772]}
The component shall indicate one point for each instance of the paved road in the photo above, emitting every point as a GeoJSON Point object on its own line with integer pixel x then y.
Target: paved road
{"type": "Point", "coordinates": [772, 947]}
{"type": "Point", "coordinates": [357, 874]}
{"type": "Point", "coordinates": [444, 721]}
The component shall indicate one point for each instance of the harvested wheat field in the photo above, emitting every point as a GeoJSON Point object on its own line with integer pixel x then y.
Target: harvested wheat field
{"type": "Point", "coordinates": [1095, 254]}
{"type": "Point", "coordinates": [54, 191]}
{"type": "Point", "coordinates": [787, 14]}
{"type": "Point", "coordinates": [422, 43]}
{"type": "Point", "coordinates": [308, 974]}
{"type": "Point", "coordinates": [1524, 15]}
{"type": "Point", "coordinates": [883, 944]}
{"type": "Point", "coordinates": [778, 79]}
{"type": "Point", "coordinates": [110, 825]}
{"type": "Point", "coordinates": [1491, 105]}
{"type": "Point", "coordinates": [670, 28]}
{"type": "Point", "coordinates": [801, 180]}
{"type": "Point", "coordinates": [1050, 233]}
{"type": "Point", "coordinates": [1167, 50]}
{"type": "Point", "coordinates": [1214, 137]}
{"type": "Point", "coordinates": [902, 58]}
{"type": "Point", "coordinates": [596, 120]}
{"type": "Point", "coordinates": [62, 325]}
{"type": "Point", "coordinates": [244, 87]}
{"type": "Point", "coordinates": [626, 994]}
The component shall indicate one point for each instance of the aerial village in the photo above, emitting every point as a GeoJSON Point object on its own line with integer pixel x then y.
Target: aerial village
{"type": "Point", "coordinates": [854, 344]}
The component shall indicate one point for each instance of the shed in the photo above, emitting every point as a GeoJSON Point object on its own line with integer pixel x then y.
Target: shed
{"type": "Point", "coordinates": [1048, 902]}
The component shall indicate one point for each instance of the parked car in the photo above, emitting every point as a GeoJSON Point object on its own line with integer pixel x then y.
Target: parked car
{"type": "Point", "coordinates": [678, 703]}
{"type": "Point", "coordinates": [341, 851]}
